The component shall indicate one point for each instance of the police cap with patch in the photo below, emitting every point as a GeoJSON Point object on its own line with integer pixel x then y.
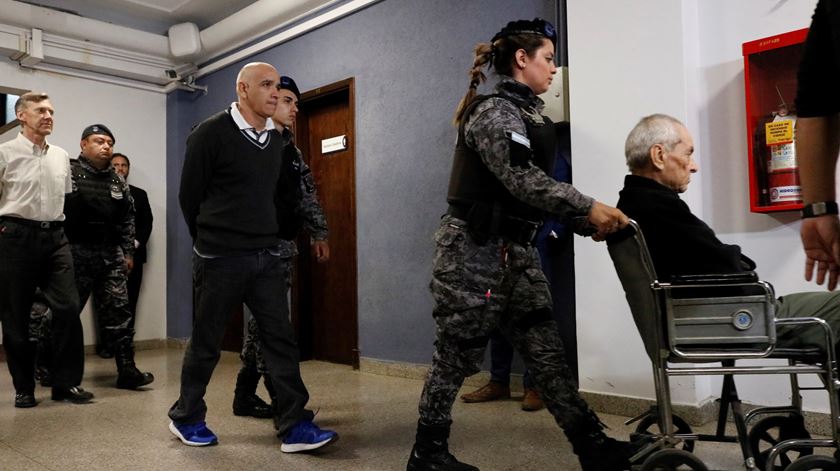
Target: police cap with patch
{"type": "Point", "coordinates": [98, 129]}
{"type": "Point", "coordinates": [536, 26]}
{"type": "Point", "coordinates": [287, 83]}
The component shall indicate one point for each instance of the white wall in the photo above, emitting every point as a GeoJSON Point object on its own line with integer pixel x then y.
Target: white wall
{"type": "Point", "coordinates": [624, 62]}
{"type": "Point", "coordinates": [630, 59]}
{"type": "Point", "coordinates": [138, 120]}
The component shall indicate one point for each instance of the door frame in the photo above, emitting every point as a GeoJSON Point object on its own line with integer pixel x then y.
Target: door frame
{"type": "Point", "coordinates": [302, 137]}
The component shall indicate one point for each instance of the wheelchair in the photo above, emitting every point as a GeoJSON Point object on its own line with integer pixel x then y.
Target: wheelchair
{"type": "Point", "coordinates": [701, 325]}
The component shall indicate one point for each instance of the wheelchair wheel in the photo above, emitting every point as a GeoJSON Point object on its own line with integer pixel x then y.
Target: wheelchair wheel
{"type": "Point", "coordinates": [769, 432]}
{"type": "Point", "coordinates": [673, 459]}
{"type": "Point", "coordinates": [813, 463]}
{"type": "Point", "coordinates": [649, 425]}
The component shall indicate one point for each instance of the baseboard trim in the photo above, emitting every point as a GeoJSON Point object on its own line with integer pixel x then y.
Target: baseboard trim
{"type": "Point", "coordinates": [177, 343]}
{"type": "Point", "coordinates": [149, 344]}
{"type": "Point", "coordinates": [816, 422]}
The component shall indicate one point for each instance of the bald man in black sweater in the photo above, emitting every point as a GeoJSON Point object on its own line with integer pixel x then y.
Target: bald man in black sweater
{"type": "Point", "coordinates": [238, 187]}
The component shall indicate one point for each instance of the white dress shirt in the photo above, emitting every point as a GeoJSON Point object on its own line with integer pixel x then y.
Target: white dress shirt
{"type": "Point", "coordinates": [258, 138]}
{"type": "Point", "coordinates": [33, 180]}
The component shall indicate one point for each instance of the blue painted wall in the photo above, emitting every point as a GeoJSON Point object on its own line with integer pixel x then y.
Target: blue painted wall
{"type": "Point", "coordinates": [410, 61]}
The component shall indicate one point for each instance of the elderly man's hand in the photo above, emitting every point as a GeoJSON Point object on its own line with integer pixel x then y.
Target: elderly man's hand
{"type": "Point", "coordinates": [821, 241]}
{"type": "Point", "coordinates": [606, 220]}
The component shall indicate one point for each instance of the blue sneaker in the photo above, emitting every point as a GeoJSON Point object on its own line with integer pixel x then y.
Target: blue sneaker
{"type": "Point", "coordinates": [306, 436]}
{"type": "Point", "coordinates": [194, 434]}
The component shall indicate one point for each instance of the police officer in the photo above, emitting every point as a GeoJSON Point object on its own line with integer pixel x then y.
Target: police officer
{"type": "Point", "coordinates": [486, 272]}
{"type": "Point", "coordinates": [100, 227]}
{"type": "Point", "coordinates": [245, 400]}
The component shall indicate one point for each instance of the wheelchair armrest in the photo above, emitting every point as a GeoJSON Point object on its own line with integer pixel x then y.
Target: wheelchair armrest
{"type": "Point", "coordinates": [715, 278]}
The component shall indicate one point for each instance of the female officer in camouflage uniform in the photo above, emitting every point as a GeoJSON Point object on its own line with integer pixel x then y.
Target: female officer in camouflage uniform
{"type": "Point", "coordinates": [486, 272]}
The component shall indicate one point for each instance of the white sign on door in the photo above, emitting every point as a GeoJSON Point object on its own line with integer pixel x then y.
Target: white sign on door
{"type": "Point", "coordinates": [334, 144]}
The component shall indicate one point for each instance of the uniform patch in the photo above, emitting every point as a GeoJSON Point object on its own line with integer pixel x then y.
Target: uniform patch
{"type": "Point", "coordinates": [520, 153]}
{"type": "Point", "coordinates": [519, 139]}
{"type": "Point", "coordinates": [116, 192]}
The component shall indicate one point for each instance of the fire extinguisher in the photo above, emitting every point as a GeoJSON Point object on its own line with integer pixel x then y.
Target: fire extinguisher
{"type": "Point", "coordinates": [782, 169]}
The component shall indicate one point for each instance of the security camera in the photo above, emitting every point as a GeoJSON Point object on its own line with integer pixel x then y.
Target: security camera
{"type": "Point", "coordinates": [171, 73]}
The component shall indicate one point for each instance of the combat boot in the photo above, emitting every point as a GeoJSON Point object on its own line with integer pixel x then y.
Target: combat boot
{"type": "Point", "coordinates": [431, 451]}
{"type": "Point", "coordinates": [129, 377]}
{"type": "Point", "coordinates": [595, 450]}
{"type": "Point", "coordinates": [43, 361]}
{"type": "Point", "coordinates": [245, 399]}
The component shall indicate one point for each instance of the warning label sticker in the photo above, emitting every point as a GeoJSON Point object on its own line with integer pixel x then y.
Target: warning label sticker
{"type": "Point", "coordinates": [779, 132]}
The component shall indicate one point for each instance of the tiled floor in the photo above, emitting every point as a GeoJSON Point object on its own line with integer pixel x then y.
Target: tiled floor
{"type": "Point", "coordinates": [375, 416]}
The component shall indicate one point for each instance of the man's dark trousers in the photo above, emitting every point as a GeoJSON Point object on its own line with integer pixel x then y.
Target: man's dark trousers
{"type": "Point", "coordinates": [34, 254]}
{"type": "Point", "coordinates": [221, 285]}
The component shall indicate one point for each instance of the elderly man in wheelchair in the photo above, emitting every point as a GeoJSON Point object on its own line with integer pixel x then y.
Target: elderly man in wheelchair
{"type": "Point", "coordinates": [697, 300]}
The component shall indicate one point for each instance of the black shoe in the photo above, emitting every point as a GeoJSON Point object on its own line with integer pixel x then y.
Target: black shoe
{"type": "Point", "coordinates": [25, 400]}
{"type": "Point", "coordinates": [132, 378]}
{"type": "Point", "coordinates": [435, 460]}
{"type": "Point", "coordinates": [76, 395]}
{"type": "Point", "coordinates": [43, 376]}
{"type": "Point", "coordinates": [251, 406]}
{"type": "Point", "coordinates": [104, 352]}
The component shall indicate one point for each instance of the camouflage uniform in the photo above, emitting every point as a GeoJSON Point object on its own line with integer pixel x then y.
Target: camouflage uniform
{"type": "Point", "coordinates": [100, 227]}
{"type": "Point", "coordinates": [40, 321]}
{"type": "Point", "coordinates": [495, 282]}
{"type": "Point", "coordinates": [40, 334]}
{"type": "Point", "coordinates": [315, 223]}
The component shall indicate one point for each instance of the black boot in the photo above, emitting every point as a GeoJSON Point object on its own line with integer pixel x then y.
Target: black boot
{"type": "Point", "coordinates": [43, 360]}
{"type": "Point", "coordinates": [431, 451]}
{"type": "Point", "coordinates": [245, 399]}
{"type": "Point", "coordinates": [104, 351]}
{"type": "Point", "coordinates": [596, 451]}
{"type": "Point", "coordinates": [129, 376]}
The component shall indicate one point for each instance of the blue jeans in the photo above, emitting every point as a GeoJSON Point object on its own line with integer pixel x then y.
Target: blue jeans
{"type": "Point", "coordinates": [220, 285]}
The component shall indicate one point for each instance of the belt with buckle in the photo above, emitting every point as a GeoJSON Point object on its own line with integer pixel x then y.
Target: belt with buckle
{"type": "Point", "coordinates": [30, 223]}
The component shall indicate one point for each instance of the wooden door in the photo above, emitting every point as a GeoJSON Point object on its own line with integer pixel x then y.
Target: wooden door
{"type": "Point", "coordinates": [324, 299]}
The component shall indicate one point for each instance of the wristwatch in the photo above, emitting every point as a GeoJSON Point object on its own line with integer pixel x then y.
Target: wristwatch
{"type": "Point", "coordinates": [819, 209]}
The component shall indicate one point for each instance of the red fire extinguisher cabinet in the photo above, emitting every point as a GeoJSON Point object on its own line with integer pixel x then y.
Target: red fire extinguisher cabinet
{"type": "Point", "coordinates": [770, 67]}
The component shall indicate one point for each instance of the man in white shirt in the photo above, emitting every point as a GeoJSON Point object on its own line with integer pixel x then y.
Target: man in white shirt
{"type": "Point", "coordinates": [34, 176]}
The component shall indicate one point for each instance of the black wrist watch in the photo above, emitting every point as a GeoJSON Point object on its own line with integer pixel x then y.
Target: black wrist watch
{"type": "Point", "coordinates": [819, 209]}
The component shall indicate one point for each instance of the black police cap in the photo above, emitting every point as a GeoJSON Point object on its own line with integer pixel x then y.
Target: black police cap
{"type": "Point", "coordinates": [286, 83]}
{"type": "Point", "coordinates": [98, 129]}
{"type": "Point", "coordinates": [536, 26]}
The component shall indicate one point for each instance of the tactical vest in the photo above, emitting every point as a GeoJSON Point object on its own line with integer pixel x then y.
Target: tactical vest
{"type": "Point", "coordinates": [474, 191]}
{"type": "Point", "coordinates": [96, 207]}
